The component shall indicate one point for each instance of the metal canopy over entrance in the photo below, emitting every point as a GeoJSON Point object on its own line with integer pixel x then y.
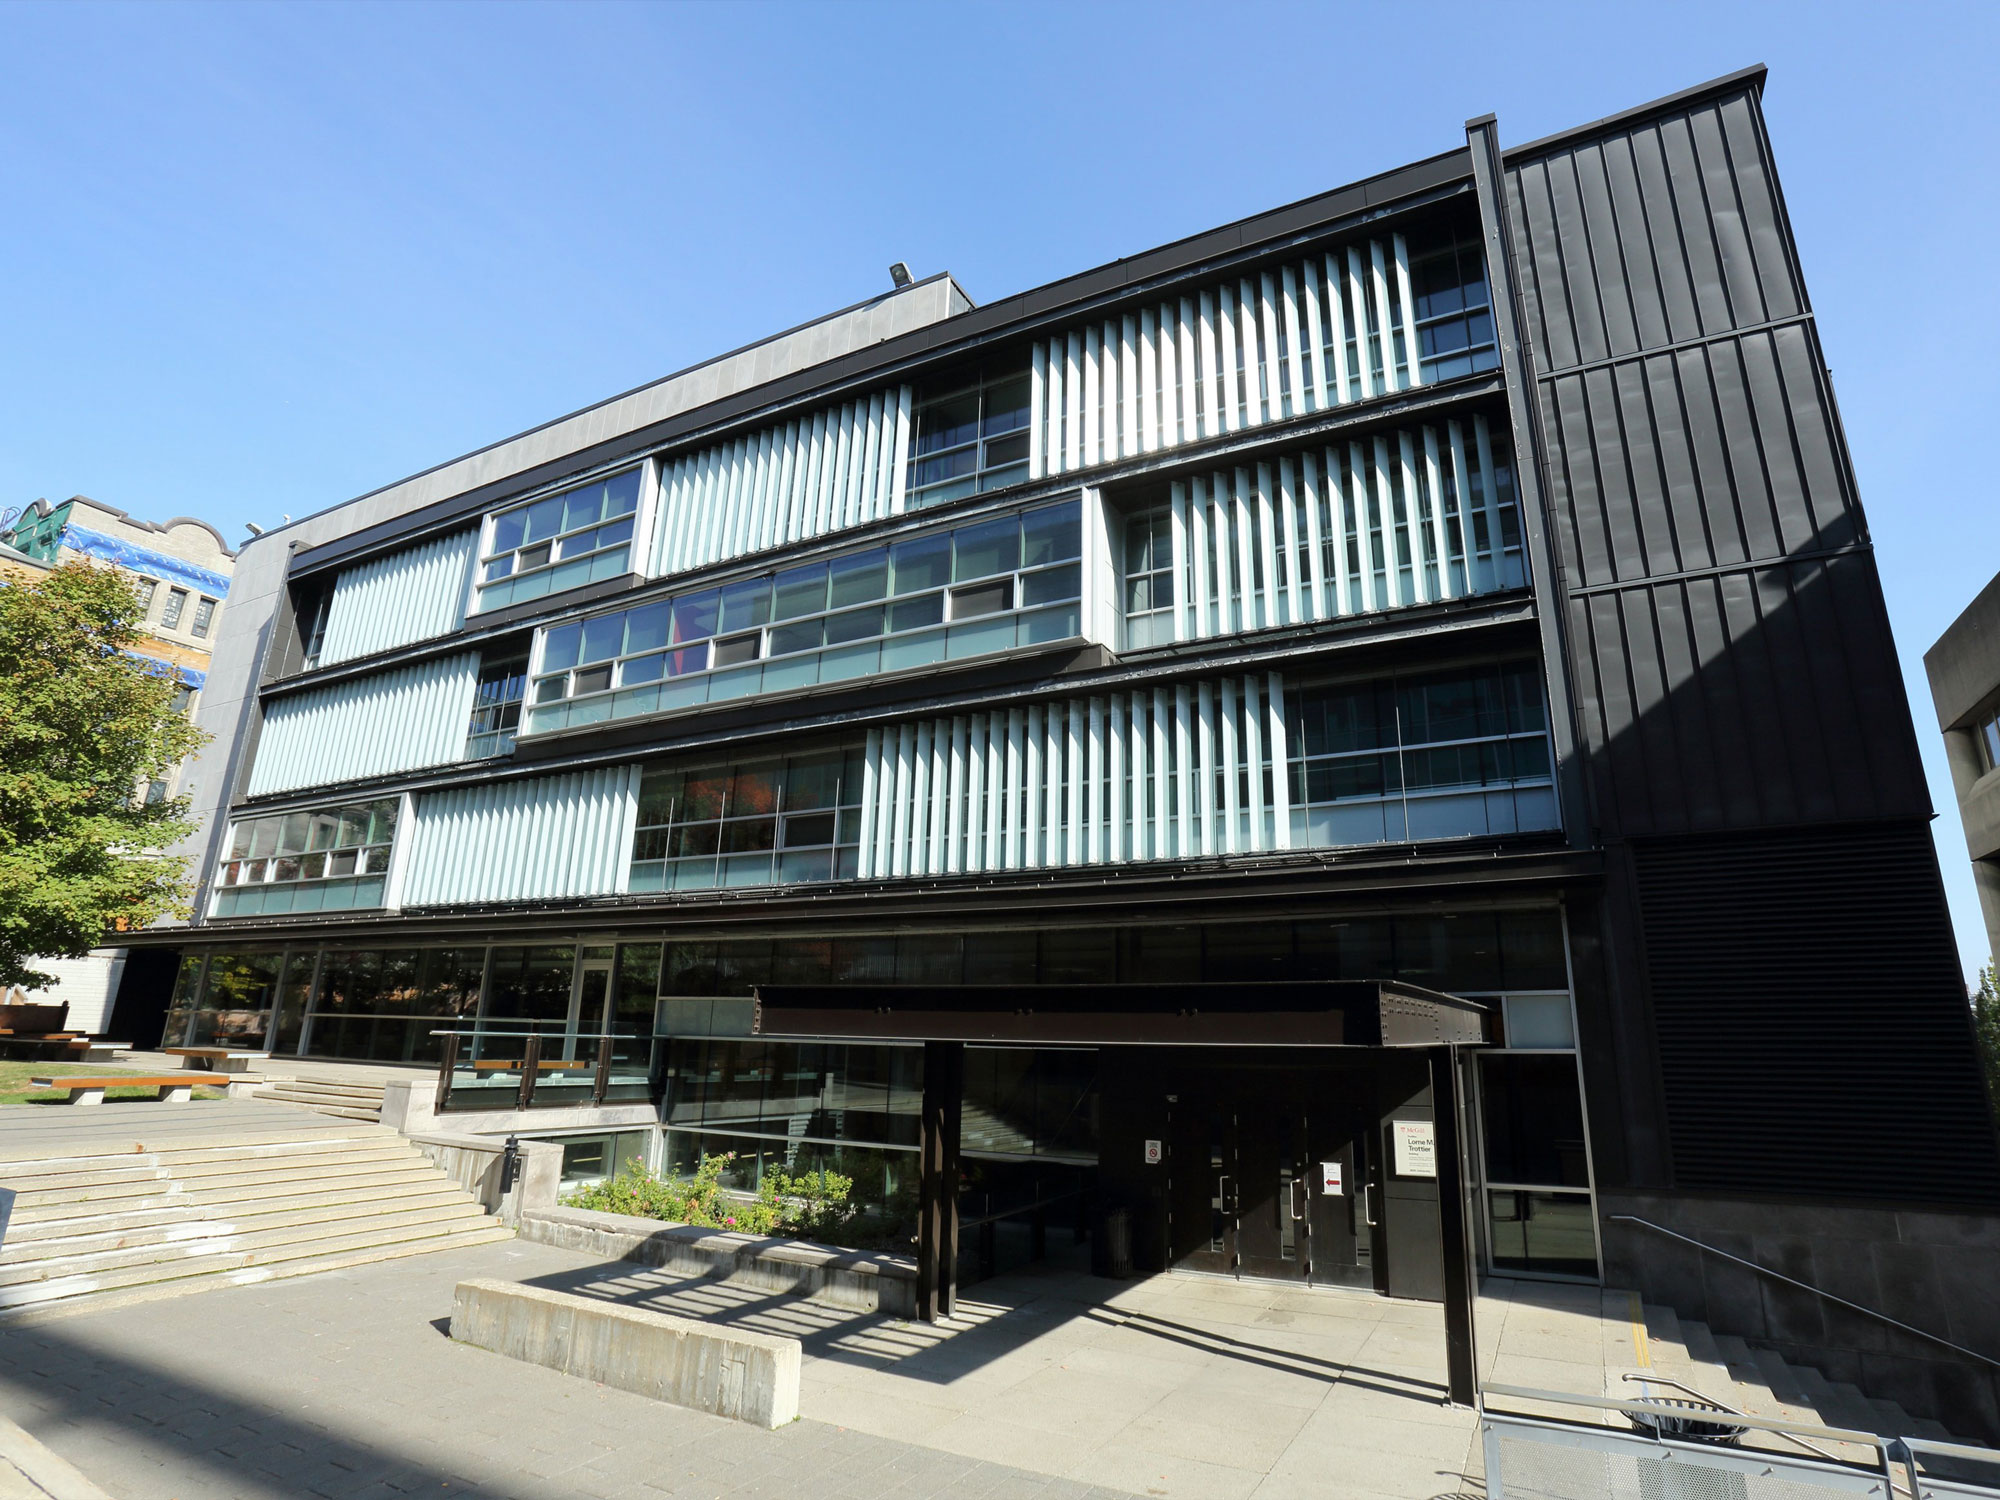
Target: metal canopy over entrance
{"type": "Point", "coordinates": [1355, 1017]}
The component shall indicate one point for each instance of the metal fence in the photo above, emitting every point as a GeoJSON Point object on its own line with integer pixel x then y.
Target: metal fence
{"type": "Point", "coordinates": [1546, 1458]}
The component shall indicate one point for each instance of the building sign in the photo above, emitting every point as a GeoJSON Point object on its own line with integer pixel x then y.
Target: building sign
{"type": "Point", "coordinates": [1329, 1179]}
{"type": "Point", "coordinates": [1416, 1148]}
{"type": "Point", "coordinates": [1152, 1153]}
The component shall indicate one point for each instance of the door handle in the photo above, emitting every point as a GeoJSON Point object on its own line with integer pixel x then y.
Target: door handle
{"type": "Point", "coordinates": [1368, 1204]}
{"type": "Point", "coordinates": [1299, 1197]}
{"type": "Point", "coordinates": [1222, 1192]}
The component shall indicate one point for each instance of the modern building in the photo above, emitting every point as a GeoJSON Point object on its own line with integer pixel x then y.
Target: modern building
{"type": "Point", "coordinates": [1164, 740]}
{"type": "Point", "coordinates": [1964, 670]}
{"type": "Point", "coordinates": [182, 569]}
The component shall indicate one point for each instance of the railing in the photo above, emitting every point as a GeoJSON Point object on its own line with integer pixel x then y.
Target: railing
{"type": "Point", "coordinates": [1806, 1286]}
{"type": "Point", "coordinates": [1544, 1458]}
{"type": "Point", "coordinates": [528, 1068]}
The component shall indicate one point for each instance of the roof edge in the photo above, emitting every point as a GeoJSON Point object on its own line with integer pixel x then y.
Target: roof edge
{"type": "Point", "coordinates": [1727, 83]}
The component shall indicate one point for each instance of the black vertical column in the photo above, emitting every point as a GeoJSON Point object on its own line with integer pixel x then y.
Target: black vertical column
{"type": "Point", "coordinates": [1517, 364]}
{"type": "Point", "coordinates": [937, 1229]}
{"type": "Point", "coordinates": [1454, 1228]}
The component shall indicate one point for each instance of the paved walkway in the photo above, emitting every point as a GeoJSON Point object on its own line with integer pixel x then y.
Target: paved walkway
{"type": "Point", "coordinates": [30, 1132]}
{"type": "Point", "coordinates": [343, 1385]}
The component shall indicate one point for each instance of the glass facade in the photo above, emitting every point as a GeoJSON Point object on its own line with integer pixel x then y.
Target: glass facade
{"type": "Point", "coordinates": [1008, 581]}
{"type": "Point", "coordinates": [969, 438]}
{"type": "Point", "coordinates": [328, 859]}
{"type": "Point", "coordinates": [558, 542]}
{"type": "Point", "coordinates": [496, 708]}
{"type": "Point", "coordinates": [1454, 313]}
{"type": "Point", "coordinates": [1440, 756]}
{"type": "Point", "coordinates": [1149, 578]}
{"type": "Point", "coordinates": [774, 822]}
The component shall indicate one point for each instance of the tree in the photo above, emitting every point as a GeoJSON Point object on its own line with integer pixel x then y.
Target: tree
{"type": "Point", "coordinates": [1986, 1022]}
{"type": "Point", "coordinates": [83, 726]}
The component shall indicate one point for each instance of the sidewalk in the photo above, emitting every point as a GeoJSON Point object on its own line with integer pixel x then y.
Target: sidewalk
{"type": "Point", "coordinates": [1051, 1386]}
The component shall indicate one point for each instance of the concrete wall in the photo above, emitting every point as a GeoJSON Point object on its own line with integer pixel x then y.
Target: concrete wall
{"type": "Point", "coordinates": [475, 1164]}
{"type": "Point", "coordinates": [87, 985]}
{"type": "Point", "coordinates": [852, 1279]}
{"type": "Point", "coordinates": [1934, 1271]}
{"type": "Point", "coordinates": [411, 1107]}
{"type": "Point", "coordinates": [730, 1372]}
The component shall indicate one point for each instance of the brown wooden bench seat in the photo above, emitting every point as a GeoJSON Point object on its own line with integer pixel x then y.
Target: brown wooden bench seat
{"type": "Point", "coordinates": [513, 1065]}
{"type": "Point", "coordinates": [214, 1059]}
{"type": "Point", "coordinates": [174, 1088]}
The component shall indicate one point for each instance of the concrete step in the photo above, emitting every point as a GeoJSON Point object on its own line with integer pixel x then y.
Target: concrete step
{"type": "Point", "coordinates": [125, 1296]}
{"type": "Point", "coordinates": [325, 1086]}
{"type": "Point", "coordinates": [323, 1166]}
{"type": "Point", "coordinates": [22, 1162]}
{"type": "Point", "coordinates": [31, 1188]}
{"type": "Point", "coordinates": [228, 1238]}
{"type": "Point", "coordinates": [257, 1215]}
{"type": "Point", "coordinates": [127, 1209]}
{"type": "Point", "coordinates": [340, 1111]}
{"type": "Point", "coordinates": [1781, 1377]}
{"type": "Point", "coordinates": [364, 1238]}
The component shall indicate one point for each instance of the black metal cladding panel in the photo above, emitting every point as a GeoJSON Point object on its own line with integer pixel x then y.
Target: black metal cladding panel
{"type": "Point", "coordinates": [1813, 1034]}
{"type": "Point", "coordinates": [1658, 233]}
{"type": "Point", "coordinates": [1709, 457]}
{"type": "Point", "coordinates": [1742, 699]}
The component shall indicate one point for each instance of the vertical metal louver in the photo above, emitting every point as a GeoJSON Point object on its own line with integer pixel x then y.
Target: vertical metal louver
{"type": "Point", "coordinates": [408, 596]}
{"type": "Point", "coordinates": [1173, 772]}
{"type": "Point", "coordinates": [833, 469]}
{"type": "Point", "coordinates": [1333, 328]}
{"type": "Point", "coordinates": [547, 838]}
{"type": "Point", "coordinates": [1401, 518]}
{"type": "Point", "coordinates": [400, 720]}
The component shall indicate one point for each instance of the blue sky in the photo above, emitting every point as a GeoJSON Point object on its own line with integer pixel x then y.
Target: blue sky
{"type": "Point", "coordinates": [258, 259]}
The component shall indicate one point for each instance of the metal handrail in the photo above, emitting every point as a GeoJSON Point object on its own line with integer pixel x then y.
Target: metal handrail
{"type": "Point", "coordinates": [1806, 1286]}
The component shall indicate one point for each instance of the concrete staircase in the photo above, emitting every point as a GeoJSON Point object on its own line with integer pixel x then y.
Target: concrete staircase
{"type": "Point", "coordinates": [98, 1231]}
{"type": "Point", "coordinates": [346, 1101]}
{"type": "Point", "coordinates": [1764, 1383]}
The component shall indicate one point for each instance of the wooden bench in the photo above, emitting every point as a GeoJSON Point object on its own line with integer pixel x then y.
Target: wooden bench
{"type": "Point", "coordinates": [213, 1059]}
{"type": "Point", "coordinates": [554, 1065]}
{"type": "Point", "coordinates": [173, 1088]}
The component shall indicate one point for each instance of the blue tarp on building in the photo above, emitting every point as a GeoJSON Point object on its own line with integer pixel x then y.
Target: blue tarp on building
{"type": "Point", "coordinates": [139, 559]}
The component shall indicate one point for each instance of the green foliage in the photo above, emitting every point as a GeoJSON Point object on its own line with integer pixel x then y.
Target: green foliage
{"type": "Point", "coordinates": [83, 727]}
{"type": "Point", "coordinates": [1986, 1022]}
{"type": "Point", "coordinates": [812, 1205]}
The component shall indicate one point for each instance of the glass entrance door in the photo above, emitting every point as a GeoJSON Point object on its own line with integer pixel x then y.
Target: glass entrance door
{"type": "Point", "coordinates": [590, 1003]}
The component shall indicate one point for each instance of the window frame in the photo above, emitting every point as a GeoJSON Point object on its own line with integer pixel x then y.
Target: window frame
{"type": "Point", "coordinates": [1021, 611]}
{"type": "Point", "coordinates": [173, 609]}
{"type": "Point", "coordinates": [488, 553]}
{"type": "Point", "coordinates": [983, 476]}
{"type": "Point", "coordinates": [204, 617]}
{"type": "Point", "coordinates": [242, 865]}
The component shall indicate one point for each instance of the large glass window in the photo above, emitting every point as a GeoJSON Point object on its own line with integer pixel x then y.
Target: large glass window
{"type": "Point", "coordinates": [1149, 578]}
{"type": "Point", "coordinates": [383, 1004]}
{"type": "Point", "coordinates": [326, 859]}
{"type": "Point", "coordinates": [969, 437]}
{"type": "Point", "coordinates": [236, 1003]}
{"type": "Point", "coordinates": [993, 585]}
{"type": "Point", "coordinates": [1446, 756]}
{"type": "Point", "coordinates": [560, 541]}
{"type": "Point", "coordinates": [776, 822]}
{"type": "Point", "coordinates": [1454, 314]}
{"type": "Point", "coordinates": [496, 708]}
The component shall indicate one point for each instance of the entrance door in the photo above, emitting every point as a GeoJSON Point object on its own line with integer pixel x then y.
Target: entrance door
{"type": "Point", "coordinates": [1272, 1175]}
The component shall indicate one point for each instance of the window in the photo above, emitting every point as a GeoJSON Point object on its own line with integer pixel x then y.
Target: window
{"type": "Point", "coordinates": [1988, 736]}
{"type": "Point", "coordinates": [148, 587]}
{"type": "Point", "coordinates": [183, 696]}
{"type": "Point", "coordinates": [335, 857]}
{"type": "Point", "coordinates": [993, 585]}
{"type": "Point", "coordinates": [313, 612]}
{"type": "Point", "coordinates": [170, 617]}
{"type": "Point", "coordinates": [156, 793]}
{"type": "Point", "coordinates": [1454, 314]}
{"type": "Point", "coordinates": [496, 708]}
{"type": "Point", "coordinates": [558, 542]}
{"type": "Point", "coordinates": [969, 438]}
{"type": "Point", "coordinates": [204, 613]}
{"type": "Point", "coordinates": [1149, 579]}
{"type": "Point", "coordinates": [776, 822]}
{"type": "Point", "coordinates": [1448, 756]}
